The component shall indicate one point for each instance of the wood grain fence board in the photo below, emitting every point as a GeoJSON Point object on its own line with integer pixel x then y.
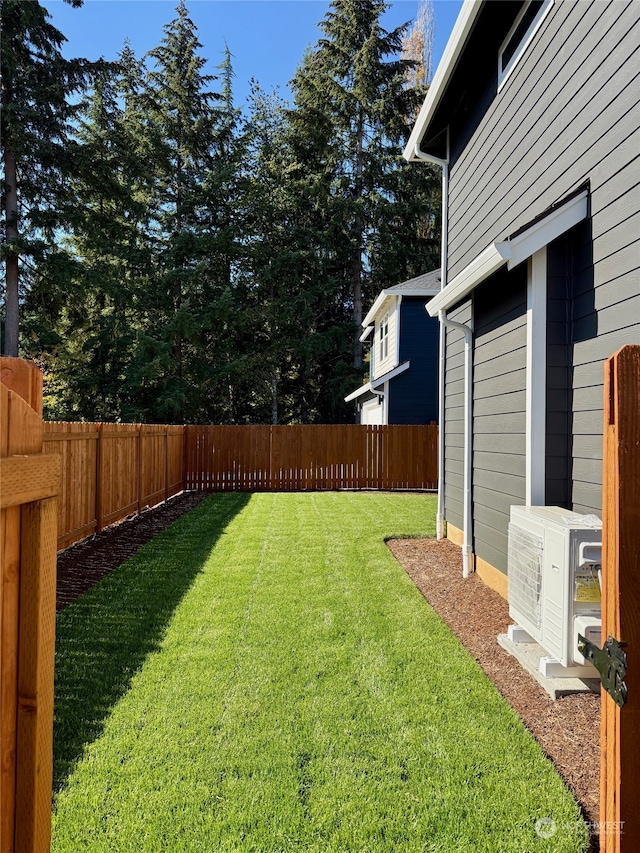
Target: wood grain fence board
{"type": "Point", "coordinates": [27, 620]}
{"type": "Point", "coordinates": [10, 598]}
{"type": "Point", "coordinates": [35, 675]}
{"type": "Point", "coordinates": [23, 378]}
{"type": "Point", "coordinates": [620, 727]}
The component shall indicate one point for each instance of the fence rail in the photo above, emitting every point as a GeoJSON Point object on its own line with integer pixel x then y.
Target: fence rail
{"type": "Point", "coordinates": [112, 470]}
{"type": "Point", "coordinates": [264, 458]}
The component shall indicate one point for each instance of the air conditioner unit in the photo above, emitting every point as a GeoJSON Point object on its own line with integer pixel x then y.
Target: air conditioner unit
{"type": "Point", "coordinates": [554, 566]}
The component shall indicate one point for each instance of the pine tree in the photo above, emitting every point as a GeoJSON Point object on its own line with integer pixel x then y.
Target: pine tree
{"type": "Point", "coordinates": [180, 109]}
{"type": "Point", "coordinates": [352, 115]}
{"type": "Point", "coordinates": [36, 86]}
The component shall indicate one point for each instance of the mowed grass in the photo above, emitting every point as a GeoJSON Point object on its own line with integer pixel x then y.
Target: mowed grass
{"type": "Point", "coordinates": [263, 676]}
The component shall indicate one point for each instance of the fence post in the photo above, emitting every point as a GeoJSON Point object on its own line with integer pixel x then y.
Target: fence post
{"type": "Point", "coordinates": [620, 727]}
{"type": "Point", "coordinates": [99, 480]}
{"type": "Point", "coordinates": [166, 464]}
{"type": "Point", "coordinates": [23, 378]}
{"type": "Point", "coordinates": [29, 485]}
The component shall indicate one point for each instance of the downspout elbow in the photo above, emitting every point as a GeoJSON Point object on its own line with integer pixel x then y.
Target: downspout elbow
{"type": "Point", "coordinates": [419, 154]}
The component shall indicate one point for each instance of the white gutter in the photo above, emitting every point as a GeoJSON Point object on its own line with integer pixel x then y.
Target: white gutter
{"type": "Point", "coordinates": [467, 548]}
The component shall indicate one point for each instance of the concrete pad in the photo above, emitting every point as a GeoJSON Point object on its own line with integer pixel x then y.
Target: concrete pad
{"type": "Point", "coordinates": [528, 656]}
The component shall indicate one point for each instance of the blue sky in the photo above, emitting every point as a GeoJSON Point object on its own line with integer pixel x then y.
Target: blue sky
{"type": "Point", "coordinates": [267, 38]}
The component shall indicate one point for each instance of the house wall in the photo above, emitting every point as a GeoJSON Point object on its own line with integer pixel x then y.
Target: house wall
{"type": "Point", "coordinates": [454, 417]}
{"type": "Point", "coordinates": [384, 365]}
{"type": "Point", "coordinates": [413, 395]}
{"type": "Point", "coordinates": [568, 115]}
{"type": "Point", "coordinates": [499, 409]}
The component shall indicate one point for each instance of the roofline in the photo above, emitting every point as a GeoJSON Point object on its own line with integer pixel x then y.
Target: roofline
{"type": "Point", "coordinates": [396, 291]}
{"type": "Point", "coordinates": [457, 39]}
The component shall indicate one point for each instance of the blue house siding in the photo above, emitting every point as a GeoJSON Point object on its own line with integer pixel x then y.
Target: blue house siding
{"type": "Point", "coordinates": [413, 395]}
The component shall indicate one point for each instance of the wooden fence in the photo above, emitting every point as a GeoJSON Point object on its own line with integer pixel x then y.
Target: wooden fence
{"type": "Point", "coordinates": [29, 484]}
{"type": "Point", "coordinates": [620, 726]}
{"type": "Point", "coordinates": [110, 471]}
{"type": "Point", "coordinates": [262, 458]}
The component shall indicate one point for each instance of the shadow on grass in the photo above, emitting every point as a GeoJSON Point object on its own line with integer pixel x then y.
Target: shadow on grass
{"type": "Point", "coordinates": [105, 636]}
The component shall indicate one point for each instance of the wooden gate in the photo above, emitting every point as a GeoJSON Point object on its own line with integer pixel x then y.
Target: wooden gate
{"type": "Point", "coordinates": [29, 484]}
{"type": "Point", "coordinates": [620, 727]}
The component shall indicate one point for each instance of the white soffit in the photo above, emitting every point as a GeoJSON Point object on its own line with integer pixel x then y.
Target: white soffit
{"type": "Point", "coordinates": [365, 334]}
{"type": "Point", "coordinates": [464, 23]}
{"type": "Point", "coordinates": [512, 251]}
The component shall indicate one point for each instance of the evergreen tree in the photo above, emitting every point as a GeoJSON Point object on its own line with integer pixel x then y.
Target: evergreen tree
{"type": "Point", "coordinates": [352, 115]}
{"type": "Point", "coordinates": [36, 84]}
{"type": "Point", "coordinates": [180, 107]}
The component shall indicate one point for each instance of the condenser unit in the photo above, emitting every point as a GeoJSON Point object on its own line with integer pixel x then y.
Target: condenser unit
{"type": "Point", "coordinates": [554, 582]}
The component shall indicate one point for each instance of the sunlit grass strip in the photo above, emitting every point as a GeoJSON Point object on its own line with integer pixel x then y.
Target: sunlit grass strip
{"type": "Point", "coordinates": [301, 696]}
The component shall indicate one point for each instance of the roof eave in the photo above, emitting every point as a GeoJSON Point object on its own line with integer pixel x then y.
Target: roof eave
{"type": "Point", "coordinates": [455, 45]}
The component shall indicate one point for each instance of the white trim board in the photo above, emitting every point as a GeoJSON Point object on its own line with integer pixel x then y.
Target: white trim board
{"type": "Point", "coordinates": [536, 393]}
{"type": "Point", "coordinates": [512, 251]}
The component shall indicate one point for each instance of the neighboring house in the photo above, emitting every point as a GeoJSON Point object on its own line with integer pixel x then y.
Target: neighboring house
{"type": "Point", "coordinates": [534, 115]}
{"type": "Point", "coordinates": [403, 359]}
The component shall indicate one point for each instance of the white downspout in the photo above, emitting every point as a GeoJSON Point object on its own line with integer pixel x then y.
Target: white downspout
{"type": "Point", "coordinates": [467, 549]}
{"type": "Point", "coordinates": [421, 155]}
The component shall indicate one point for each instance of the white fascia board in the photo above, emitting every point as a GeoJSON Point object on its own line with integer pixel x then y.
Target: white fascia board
{"type": "Point", "coordinates": [484, 265]}
{"type": "Point", "coordinates": [512, 251]}
{"type": "Point", "coordinates": [446, 66]}
{"type": "Point", "coordinates": [381, 380]}
{"type": "Point", "coordinates": [547, 229]}
{"type": "Point", "coordinates": [375, 308]}
{"type": "Point", "coordinates": [365, 334]}
{"type": "Point", "coordinates": [355, 394]}
{"type": "Point", "coordinates": [390, 294]}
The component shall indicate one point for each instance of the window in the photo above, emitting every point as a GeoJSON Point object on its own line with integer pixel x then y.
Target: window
{"type": "Point", "coordinates": [520, 35]}
{"type": "Point", "coordinates": [383, 335]}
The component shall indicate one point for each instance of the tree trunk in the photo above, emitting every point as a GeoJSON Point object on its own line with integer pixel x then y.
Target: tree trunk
{"type": "Point", "coordinates": [274, 399]}
{"type": "Point", "coordinates": [358, 228]}
{"type": "Point", "coordinates": [11, 324]}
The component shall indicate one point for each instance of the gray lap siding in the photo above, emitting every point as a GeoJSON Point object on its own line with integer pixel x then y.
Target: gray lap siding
{"type": "Point", "coordinates": [454, 418]}
{"type": "Point", "coordinates": [499, 409]}
{"type": "Point", "coordinates": [568, 116]}
{"type": "Point", "coordinates": [562, 118]}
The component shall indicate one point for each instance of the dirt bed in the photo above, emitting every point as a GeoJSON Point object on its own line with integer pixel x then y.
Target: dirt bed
{"type": "Point", "coordinates": [568, 729]}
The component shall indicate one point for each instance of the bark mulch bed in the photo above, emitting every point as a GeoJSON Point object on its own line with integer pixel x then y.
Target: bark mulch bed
{"type": "Point", "coordinates": [81, 566]}
{"type": "Point", "coordinates": [567, 729]}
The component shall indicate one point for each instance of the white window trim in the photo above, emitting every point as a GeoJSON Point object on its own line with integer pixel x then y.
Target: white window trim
{"type": "Point", "coordinates": [383, 338]}
{"type": "Point", "coordinates": [503, 75]}
{"type": "Point", "coordinates": [536, 378]}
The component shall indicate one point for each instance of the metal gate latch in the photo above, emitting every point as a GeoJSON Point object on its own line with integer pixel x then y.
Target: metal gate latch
{"type": "Point", "coordinates": [611, 663]}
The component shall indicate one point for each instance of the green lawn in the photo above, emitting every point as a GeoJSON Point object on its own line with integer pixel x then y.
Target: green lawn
{"type": "Point", "coordinates": [263, 676]}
